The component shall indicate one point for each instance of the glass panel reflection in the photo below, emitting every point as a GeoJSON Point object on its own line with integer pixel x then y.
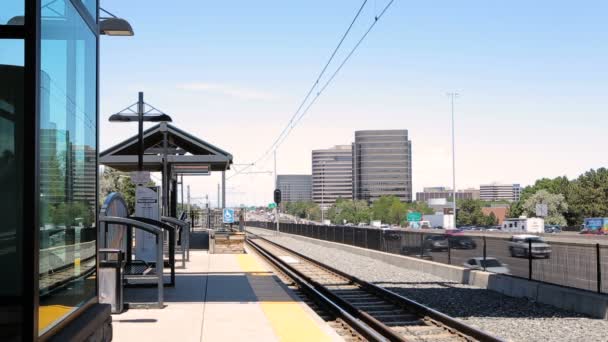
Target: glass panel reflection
{"type": "Point", "coordinates": [11, 177]}
{"type": "Point", "coordinates": [12, 9]}
{"type": "Point", "coordinates": [67, 163]}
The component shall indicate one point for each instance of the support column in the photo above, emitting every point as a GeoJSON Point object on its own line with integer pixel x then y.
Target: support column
{"type": "Point", "coordinates": [223, 189]}
{"type": "Point", "coordinates": [173, 212]}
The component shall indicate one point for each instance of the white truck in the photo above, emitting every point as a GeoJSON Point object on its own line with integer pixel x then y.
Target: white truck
{"type": "Point", "coordinates": [523, 224]}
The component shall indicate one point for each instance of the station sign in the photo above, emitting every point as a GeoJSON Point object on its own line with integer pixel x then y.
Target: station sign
{"type": "Point", "coordinates": [140, 177]}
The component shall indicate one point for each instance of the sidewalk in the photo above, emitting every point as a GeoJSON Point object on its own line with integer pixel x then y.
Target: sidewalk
{"type": "Point", "coordinates": [222, 297]}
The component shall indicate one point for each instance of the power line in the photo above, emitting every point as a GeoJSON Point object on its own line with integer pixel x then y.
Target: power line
{"type": "Point", "coordinates": [339, 68]}
{"type": "Point", "coordinates": [310, 91]}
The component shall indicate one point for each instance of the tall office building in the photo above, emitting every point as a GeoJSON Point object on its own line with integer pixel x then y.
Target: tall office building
{"type": "Point", "coordinates": [332, 175]}
{"type": "Point", "coordinates": [295, 188]}
{"type": "Point", "coordinates": [500, 192]}
{"type": "Point", "coordinates": [382, 165]}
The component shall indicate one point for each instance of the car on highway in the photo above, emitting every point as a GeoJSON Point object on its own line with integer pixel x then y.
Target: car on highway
{"type": "Point", "coordinates": [436, 242]}
{"type": "Point", "coordinates": [461, 242]}
{"type": "Point", "coordinates": [489, 264]}
{"type": "Point", "coordinates": [519, 246]}
{"type": "Point", "coordinates": [552, 229]}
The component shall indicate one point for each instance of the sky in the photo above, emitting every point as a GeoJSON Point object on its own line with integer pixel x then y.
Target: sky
{"type": "Point", "coordinates": [532, 79]}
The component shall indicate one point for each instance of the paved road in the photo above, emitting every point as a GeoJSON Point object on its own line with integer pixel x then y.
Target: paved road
{"type": "Point", "coordinates": [570, 264]}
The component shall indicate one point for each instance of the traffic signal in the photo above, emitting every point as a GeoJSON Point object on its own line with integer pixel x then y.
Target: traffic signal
{"type": "Point", "coordinates": [277, 196]}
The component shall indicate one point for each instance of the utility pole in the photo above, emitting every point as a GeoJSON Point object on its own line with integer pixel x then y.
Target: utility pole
{"type": "Point", "coordinates": [276, 186]}
{"type": "Point", "coordinates": [453, 96]}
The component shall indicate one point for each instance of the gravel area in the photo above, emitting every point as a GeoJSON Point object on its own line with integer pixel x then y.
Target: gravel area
{"type": "Point", "coordinates": [513, 319]}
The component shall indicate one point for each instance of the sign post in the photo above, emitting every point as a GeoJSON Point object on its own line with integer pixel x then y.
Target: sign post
{"type": "Point", "coordinates": [542, 210]}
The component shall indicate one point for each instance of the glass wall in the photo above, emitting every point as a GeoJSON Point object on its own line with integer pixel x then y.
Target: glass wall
{"type": "Point", "coordinates": [67, 157]}
{"type": "Point", "coordinates": [11, 178]}
{"type": "Point", "coordinates": [10, 9]}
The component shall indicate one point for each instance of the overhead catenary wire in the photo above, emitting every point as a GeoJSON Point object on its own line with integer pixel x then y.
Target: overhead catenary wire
{"type": "Point", "coordinates": [310, 91]}
{"type": "Point", "coordinates": [331, 78]}
{"type": "Point", "coordinates": [292, 124]}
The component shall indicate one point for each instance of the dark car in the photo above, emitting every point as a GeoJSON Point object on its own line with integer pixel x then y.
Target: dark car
{"type": "Point", "coordinates": [553, 229]}
{"type": "Point", "coordinates": [462, 242]}
{"type": "Point", "coordinates": [416, 251]}
{"type": "Point", "coordinates": [436, 242]}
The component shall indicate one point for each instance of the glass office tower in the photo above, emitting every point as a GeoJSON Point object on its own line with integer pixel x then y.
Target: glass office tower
{"type": "Point", "coordinates": [382, 165]}
{"type": "Point", "coordinates": [48, 149]}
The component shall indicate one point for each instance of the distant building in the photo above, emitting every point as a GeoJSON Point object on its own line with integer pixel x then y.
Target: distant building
{"type": "Point", "coordinates": [500, 192]}
{"type": "Point", "coordinates": [443, 192]}
{"type": "Point", "coordinates": [382, 165]}
{"type": "Point", "coordinates": [499, 212]}
{"type": "Point", "coordinates": [332, 175]}
{"type": "Point", "coordinates": [295, 188]}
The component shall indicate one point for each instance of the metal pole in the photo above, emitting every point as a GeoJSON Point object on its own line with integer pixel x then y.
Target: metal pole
{"type": "Point", "coordinates": [530, 259]}
{"type": "Point", "coordinates": [223, 189]}
{"type": "Point", "coordinates": [140, 136]}
{"type": "Point", "coordinates": [165, 171]}
{"type": "Point", "coordinates": [181, 181]}
{"type": "Point", "coordinates": [453, 95]}
{"type": "Point", "coordinates": [188, 193]}
{"type": "Point", "coordinates": [598, 267]}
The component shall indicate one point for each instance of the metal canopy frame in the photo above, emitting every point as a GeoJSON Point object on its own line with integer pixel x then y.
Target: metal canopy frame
{"type": "Point", "coordinates": [166, 146]}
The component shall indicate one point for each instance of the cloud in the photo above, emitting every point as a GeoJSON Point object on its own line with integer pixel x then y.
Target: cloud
{"type": "Point", "coordinates": [228, 90]}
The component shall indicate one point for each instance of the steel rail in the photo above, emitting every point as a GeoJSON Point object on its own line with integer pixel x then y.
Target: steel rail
{"type": "Point", "coordinates": [304, 283]}
{"type": "Point", "coordinates": [418, 308]}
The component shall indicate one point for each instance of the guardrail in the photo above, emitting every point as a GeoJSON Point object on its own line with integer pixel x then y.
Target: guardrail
{"type": "Point", "coordinates": [577, 265]}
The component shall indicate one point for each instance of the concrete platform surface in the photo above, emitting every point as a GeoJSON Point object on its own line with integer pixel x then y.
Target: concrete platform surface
{"type": "Point", "coordinates": [222, 297]}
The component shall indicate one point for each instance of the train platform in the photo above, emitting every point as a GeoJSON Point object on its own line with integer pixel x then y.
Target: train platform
{"type": "Point", "coordinates": [222, 297]}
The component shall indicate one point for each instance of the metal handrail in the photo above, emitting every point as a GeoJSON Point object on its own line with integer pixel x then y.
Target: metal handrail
{"type": "Point", "coordinates": [171, 245]}
{"type": "Point", "coordinates": [158, 232]}
{"type": "Point", "coordinates": [185, 235]}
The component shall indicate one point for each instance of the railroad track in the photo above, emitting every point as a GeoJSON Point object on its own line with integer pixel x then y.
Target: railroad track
{"type": "Point", "coordinates": [376, 313]}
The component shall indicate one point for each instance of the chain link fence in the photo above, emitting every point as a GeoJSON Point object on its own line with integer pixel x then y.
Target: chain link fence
{"type": "Point", "coordinates": [578, 265]}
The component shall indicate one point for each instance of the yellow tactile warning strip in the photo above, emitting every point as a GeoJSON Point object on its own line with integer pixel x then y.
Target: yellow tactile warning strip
{"type": "Point", "coordinates": [48, 314]}
{"type": "Point", "coordinates": [288, 319]}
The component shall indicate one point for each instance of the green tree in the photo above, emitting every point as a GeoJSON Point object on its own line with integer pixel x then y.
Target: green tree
{"type": "Point", "coordinates": [556, 206]}
{"type": "Point", "coordinates": [389, 209]}
{"type": "Point", "coordinates": [346, 210]}
{"type": "Point", "coordinates": [303, 209]}
{"type": "Point", "coordinates": [470, 213]}
{"type": "Point", "coordinates": [588, 196]}
{"type": "Point", "coordinates": [115, 181]}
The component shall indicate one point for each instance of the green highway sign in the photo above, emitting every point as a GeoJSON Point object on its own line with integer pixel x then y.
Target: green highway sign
{"type": "Point", "coordinates": [272, 205]}
{"type": "Point", "coordinates": [414, 217]}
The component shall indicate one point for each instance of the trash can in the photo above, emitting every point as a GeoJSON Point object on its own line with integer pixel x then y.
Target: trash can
{"type": "Point", "coordinates": [111, 270]}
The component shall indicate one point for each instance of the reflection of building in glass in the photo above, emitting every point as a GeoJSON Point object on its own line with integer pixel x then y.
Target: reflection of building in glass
{"type": "Point", "coordinates": [332, 175]}
{"type": "Point", "coordinates": [48, 148]}
{"type": "Point", "coordinates": [295, 188]}
{"type": "Point", "coordinates": [382, 165]}
{"type": "Point", "coordinates": [83, 174]}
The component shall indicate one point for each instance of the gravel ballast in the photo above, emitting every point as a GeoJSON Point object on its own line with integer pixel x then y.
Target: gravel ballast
{"type": "Point", "coordinates": [513, 319]}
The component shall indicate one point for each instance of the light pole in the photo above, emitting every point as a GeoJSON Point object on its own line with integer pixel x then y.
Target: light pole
{"type": "Point", "coordinates": [453, 96]}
